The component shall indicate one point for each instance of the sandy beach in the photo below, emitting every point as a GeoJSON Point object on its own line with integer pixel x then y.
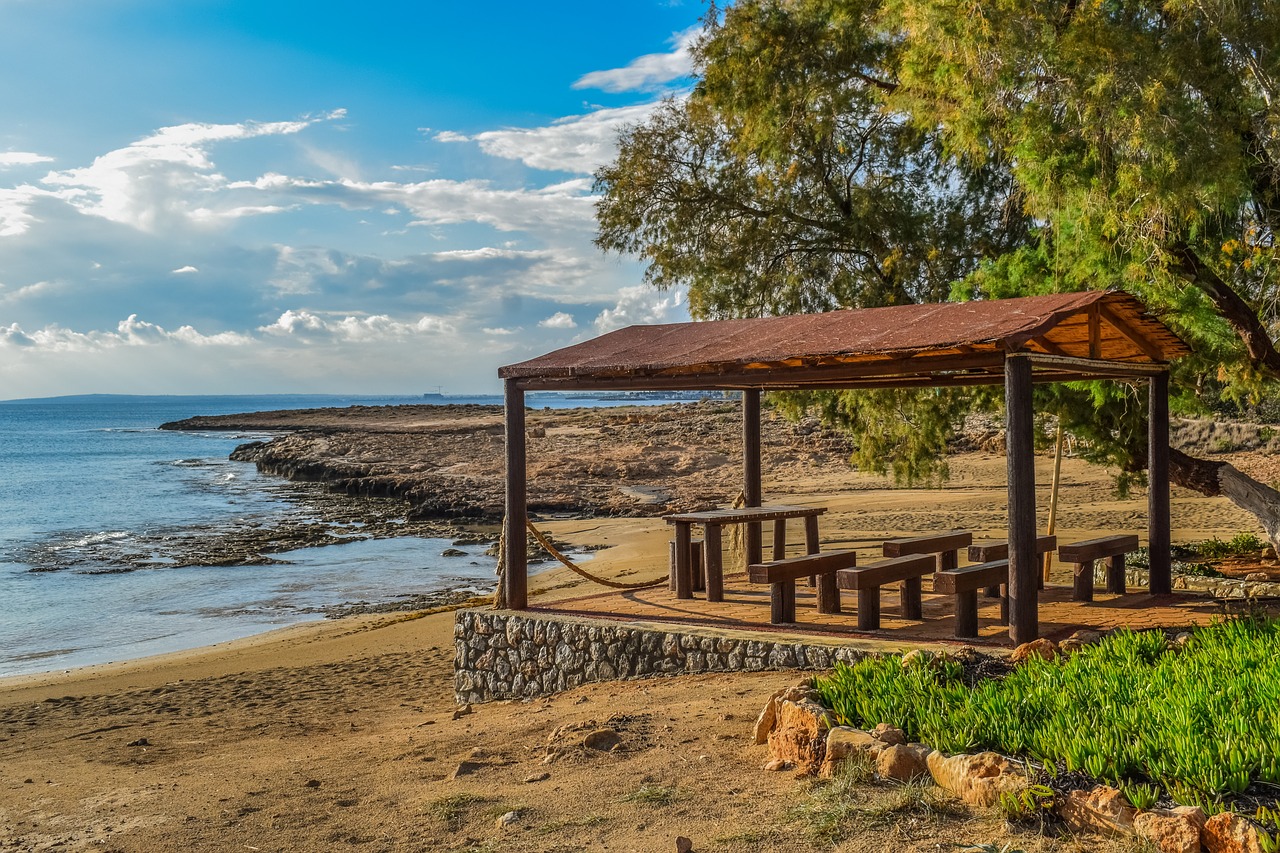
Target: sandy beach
{"type": "Point", "coordinates": [345, 735]}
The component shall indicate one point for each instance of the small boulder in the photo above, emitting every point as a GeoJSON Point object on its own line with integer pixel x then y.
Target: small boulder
{"type": "Point", "coordinates": [1171, 830]}
{"type": "Point", "coordinates": [1228, 832]}
{"type": "Point", "coordinates": [1257, 577]}
{"type": "Point", "coordinates": [684, 844]}
{"type": "Point", "coordinates": [467, 768]}
{"type": "Point", "coordinates": [798, 732]}
{"type": "Point", "coordinates": [1101, 811]}
{"type": "Point", "coordinates": [888, 735]}
{"type": "Point", "coordinates": [602, 740]}
{"type": "Point", "coordinates": [903, 763]}
{"type": "Point", "coordinates": [843, 741]}
{"type": "Point", "coordinates": [507, 819]}
{"type": "Point", "coordinates": [454, 552]}
{"type": "Point", "coordinates": [1043, 648]}
{"type": "Point", "coordinates": [768, 716]}
{"type": "Point", "coordinates": [774, 765]}
{"type": "Point", "coordinates": [979, 779]}
{"type": "Point", "coordinates": [916, 657]}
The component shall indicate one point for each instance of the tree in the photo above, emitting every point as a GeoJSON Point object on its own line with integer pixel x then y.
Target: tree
{"type": "Point", "coordinates": [849, 153]}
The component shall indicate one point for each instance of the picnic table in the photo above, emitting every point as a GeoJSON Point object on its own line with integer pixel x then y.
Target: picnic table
{"type": "Point", "coordinates": [712, 522]}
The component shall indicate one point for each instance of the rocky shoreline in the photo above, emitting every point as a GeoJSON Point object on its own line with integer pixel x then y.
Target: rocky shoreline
{"type": "Point", "coordinates": [446, 462]}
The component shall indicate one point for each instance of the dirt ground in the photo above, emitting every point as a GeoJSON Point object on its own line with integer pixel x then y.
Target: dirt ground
{"type": "Point", "coordinates": [344, 735]}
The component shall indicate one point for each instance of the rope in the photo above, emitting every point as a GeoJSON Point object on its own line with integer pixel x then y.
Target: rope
{"type": "Point", "coordinates": [500, 594]}
{"type": "Point", "coordinates": [551, 549]}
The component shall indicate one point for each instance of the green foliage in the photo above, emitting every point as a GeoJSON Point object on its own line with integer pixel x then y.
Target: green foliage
{"type": "Point", "coordinates": [1026, 806]}
{"type": "Point", "coordinates": [853, 153]}
{"type": "Point", "coordinates": [655, 795]}
{"type": "Point", "coordinates": [1140, 795]}
{"type": "Point", "coordinates": [1204, 722]}
{"type": "Point", "coordinates": [1241, 544]}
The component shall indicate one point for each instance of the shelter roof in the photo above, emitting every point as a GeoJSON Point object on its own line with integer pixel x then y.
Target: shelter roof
{"type": "Point", "coordinates": [1069, 335]}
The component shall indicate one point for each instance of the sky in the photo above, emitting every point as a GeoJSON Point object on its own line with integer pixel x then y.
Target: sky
{"type": "Point", "coordinates": [269, 196]}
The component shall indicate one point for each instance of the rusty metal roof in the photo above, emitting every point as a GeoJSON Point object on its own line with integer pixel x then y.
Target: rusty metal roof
{"type": "Point", "coordinates": [860, 346]}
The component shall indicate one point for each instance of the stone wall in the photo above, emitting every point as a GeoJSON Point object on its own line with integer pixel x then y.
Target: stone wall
{"type": "Point", "coordinates": [1216, 587]}
{"type": "Point", "coordinates": [502, 654]}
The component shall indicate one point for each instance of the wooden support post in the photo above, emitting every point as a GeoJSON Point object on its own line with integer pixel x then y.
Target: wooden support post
{"type": "Point", "coordinates": [751, 489]}
{"type": "Point", "coordinates": [1158, 523]}
{"type": "Point", "coordinates": [811, 547]}
{"type": "Point", "coordinates": [1024, 567]}
{"type": "Point", "coordinates": [714, 561]}
{"type": "Point", "coordinates": [515, 574]}
{"type": "Point", "coordinates": [779, 538]}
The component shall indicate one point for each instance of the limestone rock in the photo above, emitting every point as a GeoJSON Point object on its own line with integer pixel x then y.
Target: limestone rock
{"type": "Point", "coordinates": [1230, 833]}
{"type": "Point", "coordinates": [977, 779]}
{"type": "Point", "coordinates": [774, 765]}
{"type": "Point", "coordinates": [903, 763]}
{"type": "Point", "coordinates": [1257, 577]}
{"type": "Point", "coordinates": [467, 768]}
{"type": "Point", "coordinates": [888, 735]}
{"type": "Point", "coordinates": [764, 722]}
{"type": "Point", "coordinates": [1102, 811]}
{"type": "Point", "coordinates": [798, 733]}
{"type": "Point", "coordinates": [507, 819]}
{"type": "Point", "coordinates": [1078, 640]}
{"type": "Point", "coordinates": [1171, 831]}
{"type": "Point", "coordinates": [602, 740]}
{"type": "Point", "coordinates": [1039, 648]}
{"type": "Point", "coordinates": [916, 657]}
{"type": "Point", "coordinates": [843, 741]}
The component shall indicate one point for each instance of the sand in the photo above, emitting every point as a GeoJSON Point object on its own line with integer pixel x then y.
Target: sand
{"type": "Point", "coordinates": [344, 735]}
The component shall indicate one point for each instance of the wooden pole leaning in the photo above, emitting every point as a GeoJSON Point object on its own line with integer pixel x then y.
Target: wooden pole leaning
{"type": "Point", "coordinates": [515, 572]}
{"type": "Point", "coordinates": [1158, 523]}
{"type": "Point", "coordinates": [751, 488]}
{"type": "Point", "coordinates": [1024, 567]}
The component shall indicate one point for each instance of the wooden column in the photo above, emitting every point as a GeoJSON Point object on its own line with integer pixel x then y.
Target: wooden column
{"type": "Point", "coordinates": [1158, 523]}
{"type": "Point", "coordinates": [751, 489]}
{"type": "Point", "coordinates": [1019, 448]}
{"type": "Point", "coordinates": [515, 573]}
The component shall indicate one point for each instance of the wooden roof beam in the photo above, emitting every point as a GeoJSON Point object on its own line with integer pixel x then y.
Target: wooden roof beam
{"type": "Point", "coordinates": [1134, 336]}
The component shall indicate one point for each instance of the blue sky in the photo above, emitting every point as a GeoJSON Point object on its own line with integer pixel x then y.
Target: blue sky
{"type": "Point", "coordinates": [216, 196]}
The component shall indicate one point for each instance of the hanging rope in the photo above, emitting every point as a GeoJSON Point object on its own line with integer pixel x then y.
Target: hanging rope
{"type": "Point", "coordinates": [553, 551]}
{"type": "Point", "coordinates": [500, 594]}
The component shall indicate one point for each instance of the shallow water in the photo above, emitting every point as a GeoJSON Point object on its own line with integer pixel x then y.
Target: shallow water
{"type": "Point", "coordinates": [89, 480]}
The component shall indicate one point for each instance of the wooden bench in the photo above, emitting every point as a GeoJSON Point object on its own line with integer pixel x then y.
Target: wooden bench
{"type": "Point", "coordinates": [781, 575]}
{"type": "Point", "coordinates": [988, 552]}
{"type": "Point", "coordinates": [867, 580]}
{"type": "Point", "coordinates": [945, 545]}
{"type": "Point", "coordinates": [1081, 555]}
{"type": "Point", "coordinates": [964, 585]}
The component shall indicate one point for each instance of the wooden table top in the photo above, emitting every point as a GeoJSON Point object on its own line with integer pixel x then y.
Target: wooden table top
{"type": "Point", "coordinates": [744, 514]}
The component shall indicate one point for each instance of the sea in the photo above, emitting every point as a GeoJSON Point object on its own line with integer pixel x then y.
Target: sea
{"type": "Point", "coordinates": [87, 479]}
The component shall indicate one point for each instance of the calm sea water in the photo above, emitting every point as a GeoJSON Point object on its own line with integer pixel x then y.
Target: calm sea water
{"type": "Point", "coordinates": [83, 476]}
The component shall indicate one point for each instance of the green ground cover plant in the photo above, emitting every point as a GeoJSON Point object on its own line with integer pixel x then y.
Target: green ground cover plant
{"type": "Point", "coordinates": [1201, 721]}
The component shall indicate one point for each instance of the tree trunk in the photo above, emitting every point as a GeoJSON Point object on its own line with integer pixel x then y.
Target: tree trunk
{"type": "Point", "coordinates": [1221, 478]}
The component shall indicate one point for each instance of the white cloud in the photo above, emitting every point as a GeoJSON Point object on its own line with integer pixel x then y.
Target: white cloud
{"type": "Point", "coordinates": [498, 331]}
{"type": "Point", "coordinates": [313, 327]}
{"type": "Point", "coordinates": [574, 144]}
{"type": "Point", "coordinates": [185, 270]}
{"type": "Point", "coordinates": [8, 159]}
{"type": "Point", "coordinates": [128, 332]}
{"type": "Point", "coordinates": [450, 136]}
{"type": "Point", "coordinates": [559, 320]}
{"type": "Point", "coordinates": [160, 179]}
{"type": "Point", "coordinates": [642, 306]}
{"type": "Point", "coordinates": [646, 73]}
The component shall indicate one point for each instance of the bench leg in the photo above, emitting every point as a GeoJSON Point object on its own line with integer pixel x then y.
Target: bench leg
{"type": "Point", "coordinates": [782, 602]}
{"type": "Point", "coordinates": [1083, 587]}
{"type": "Point", "coordinates": [1115, 574]}
{"type": "Point", "coordinates": [683, 571]}
{"type": "Point", "coordinates": [811, 543]}
{"type": "Point", "coordinates": [1004, 604]}
{"type": "Point", "coordinates": [828, 593]}
{"type": "Point", "coordinates": [714, 562]}
{"type": "Point", "coordinates": [869, 609]}
{"type": "Point", "coordinates": [992, 591]}
{"type": "Point", "coordinates": [910, 599]}
{"type": "Point", "coordinates": [967, 614]}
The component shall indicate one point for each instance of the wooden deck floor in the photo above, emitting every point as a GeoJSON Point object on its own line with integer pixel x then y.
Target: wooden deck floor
{"type": "Point", "coordinates": [746, 608]}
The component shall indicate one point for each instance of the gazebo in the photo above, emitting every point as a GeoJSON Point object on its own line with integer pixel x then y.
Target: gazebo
{"type": "Point", "coordinates": [1017, 342]}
